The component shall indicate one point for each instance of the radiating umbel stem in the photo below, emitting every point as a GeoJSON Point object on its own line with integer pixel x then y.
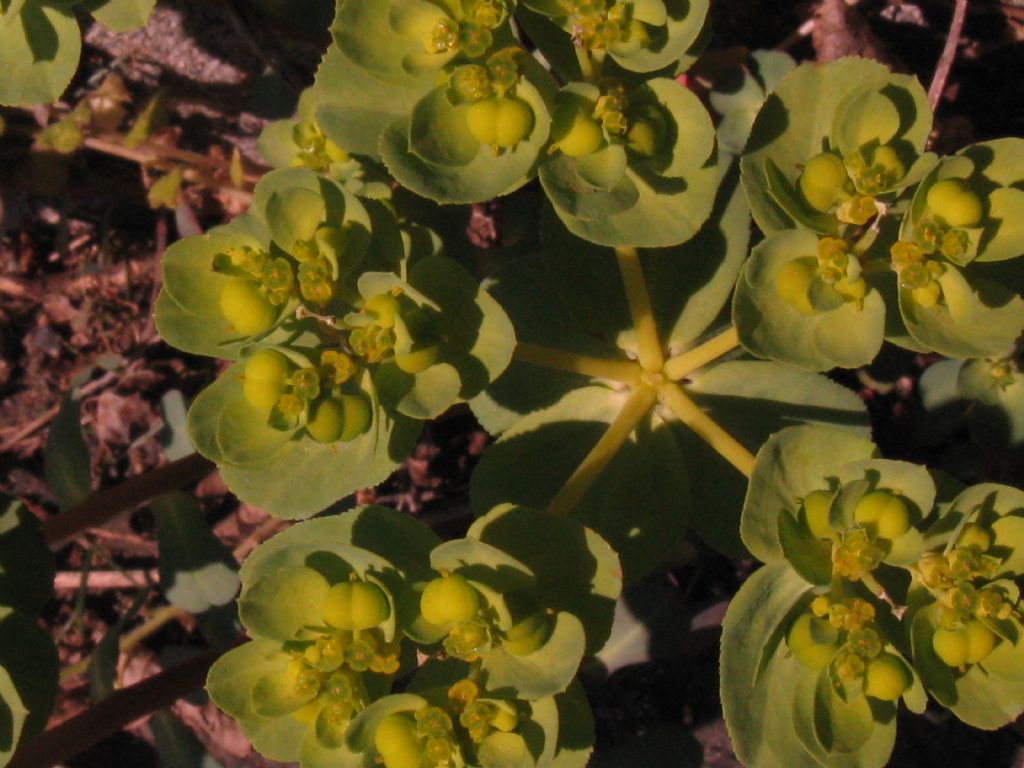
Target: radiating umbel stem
{"type": "Point", "coordinates": [624, 371]}
{"type": "Point", "coordinates": [636, 407]}
{"type": "Point", "coordinates": [648, 345]}
{"type": "Point", "coordinates": [707, 428]}
{"type": "Point", "coordinates": [712, 349]}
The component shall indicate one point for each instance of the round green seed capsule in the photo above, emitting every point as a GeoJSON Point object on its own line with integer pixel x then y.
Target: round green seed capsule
{"type": "Point", "coordinates": [265, 379]}
{"type": "Point", "coordinates": [576, 133]}
{"type": "Point", "coordinates": [822, 180]}
{"type": "Point", "coordinates": [885, 511]}
{"type": "Point", "coordinates": [792, 282]}
{"type": "Point", "coordinates": [356, 605]}
{"type": "Point", "coordinates": [328, 422]}
{"type": "Point", "coordinates": [951, 645]}
{"type": "Point", "coordinates": [449, 600]}
{"type": "Point", "coordinates": [981, 641]}
{"type": "Point", "coordinates": [816, 510]}
{"type": "Point", "coordinates": [357, 417]}
{"type": "Point", "coordinates": [245, 307]}
{"type": "Point", "coordinates": [955, 203]}
{"type": "Point", "coordinates": [341, 419]}
{"type": "Point", "coordinates": [886, 678]}
{"type": "Point", "coordinates": [812, 640]}
{"type": "Point", "coordinates": [528, 635]}
{"type": "Point", "coordinates": [499, 121]}
{"type": "Point", "coordinates": [395, 740]}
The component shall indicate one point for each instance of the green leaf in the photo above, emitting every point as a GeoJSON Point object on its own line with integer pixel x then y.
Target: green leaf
{"type": "Point", "coordinates": [842, 726]}
{"type": "Point", "coordinates": [28, 656]}
{"type": "Point", "coordinates": [39, 52]}
{"type": "Point", "coordinates": [790, 465]}
{"type": "Point", "coordinates": [26, 563]}
{"type": "Point", "coordinates": [526, 289]}
{"type": "Point", "coordinates": [350, 108]}
{"type": "Point", "coordinates": [173, 437]}
{"type": "Point", "coordinates": [281, 603]}
{"type": "Point", "coordinates": [533, 459]}
{"type": "Point", "coordinates": [751, 400]}
{"type": "Point", "coordinates": [912, 481]}
{"type": "Point", "coordinates": [188, 312]}
{"type": "Point", "coordinates": [999, 164]}
{"type": "Point", "coordinates": [575, 728]}
{"type": "Point", "coordinates": [12, 717]}
{"type": "Point", "coordinates": [576, 570]}
{"type": "Point", "coordinates": [810, 556]}
{"type": "Point", "coordinates": [546, 671]}
{"type": "Point", "coordinates": [294, 214]}
{"type": "Point", "coordinates": [975, 317]}
{"type": "Point", "coordinates": [65, 458]}
{"type": "Point", "coordinates": [197, 572]}
{"type": "Point", "coordinates": [226, 428]}
{"type": "Point", "coordinates": [121, 15]}
{"type": "Point", "coordinates": [230, 683]}
{"type": "Point", "coordinates": [769, 326]}
{"type": "Point", "coordinates": [463, 178]}
{"type": "Point", "coordinates": [359, 738]}
{"type": "Point", "coordinates": [383, 39]}
{"type": "Point", "coordinates": [318, 474]}
{"type": "Point", "coordinates": [371, 539]}
{"type": "Point", "coordinates": [233, 676]}
{"type": "Point", "coordinates": [484, 564]}
{"type": "Point", "coordinates": [755, 700]}
{"type": "Point", "coordinates": [656, 203]}
{"type": "Point", "coordinates": [787, 134]}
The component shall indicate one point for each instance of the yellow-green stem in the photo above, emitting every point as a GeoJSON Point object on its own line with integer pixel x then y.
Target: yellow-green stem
{"type": "Point", "coordinates": [648, 345]}
{"type": "Point", "coordinates": [688, 362]}
{"type": "Point", "coordinates": [586, 65]}
{"type": "Point", "coordinates": [636, 407]}
{"type": "Point", "coordinates": [728, 447]}
{"type": "Point", "coordinates": [161, 616]}
{"type": "Point", "coordinates": [625, 371]}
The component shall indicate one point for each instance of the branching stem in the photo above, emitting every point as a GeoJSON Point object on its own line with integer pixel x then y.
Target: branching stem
{"type": "Point", "coordinates": [648, 345]}
{"type": "Point", "coordinates": [161, 616]}
{"type": "Point", "coordinates": [706, 428]}
{"type": "Point", "coordinates": [688, 362]}
{"type": "Point", "coordinates": [109, 502]}
{"type": "Point", "coordinates": [636, 407]}
{"type": "Point", "coordinates": [122, 707]}
{"type": "Point", "coordinates": [624, 371]}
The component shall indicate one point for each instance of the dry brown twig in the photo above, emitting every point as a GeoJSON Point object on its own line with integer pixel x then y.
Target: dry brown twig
{"type": "Point", "coordinates": [945, 63]}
